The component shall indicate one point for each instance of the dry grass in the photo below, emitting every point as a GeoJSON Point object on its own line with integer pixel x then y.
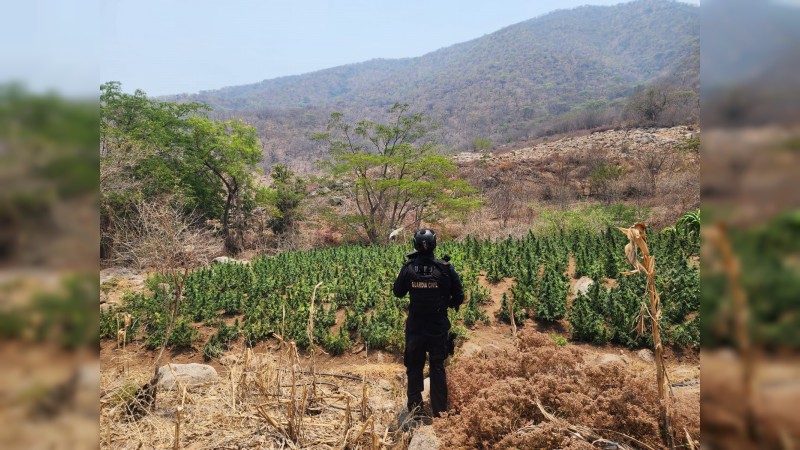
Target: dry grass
{"type": "Point", "coordinates": [264, 401]}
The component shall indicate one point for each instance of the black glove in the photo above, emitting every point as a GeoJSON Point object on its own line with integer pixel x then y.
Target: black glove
{"type": "Point", "coordinates": [451, 343]}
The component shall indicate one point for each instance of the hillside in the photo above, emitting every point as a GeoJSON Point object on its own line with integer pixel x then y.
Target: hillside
{"type": "Point", "coordinates": [507, 86]}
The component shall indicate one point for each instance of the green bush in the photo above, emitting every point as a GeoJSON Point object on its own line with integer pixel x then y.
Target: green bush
{"type": "Point", "coordinates": [559, 340]}
{"type": "Point", "coordinates": [213, 348]}
{"type": "Point", "coordinates": [481, 144]}
{"type": "Point", "coordinates": [551, 299]}
{"type": "Point", "coordinates": [473, 313]}
{"type": "Point", "coordinates": [12, 324]}
{"type": "Point", "coordinates": [337, 344]}
{"type": "Point", "coordinates": [586, 322]}
{"type": "Point", "coordinates": [503, 315]}
{"type": "Point", "coordinates": [183, 335]}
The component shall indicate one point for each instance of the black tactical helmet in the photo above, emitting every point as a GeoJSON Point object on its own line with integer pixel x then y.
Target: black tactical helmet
{"type": "Point", "coordinates": [424, 240]}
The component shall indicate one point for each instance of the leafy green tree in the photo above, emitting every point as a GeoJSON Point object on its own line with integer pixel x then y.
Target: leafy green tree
{"type": "Point", "coordinates": [648, 103]}
{"type": "Point", "coordinates": [396, 173]}
{"type": "Point", "coordinates": [605, 181]}
{"type": "Point", "coordinates": [226, 153]}
{"type": "Point", "coordinates": [151, 148]}
{"type": "Point", "coordinates": [482, 144]}
{"type": "Point", "coordinates": [287, 194]}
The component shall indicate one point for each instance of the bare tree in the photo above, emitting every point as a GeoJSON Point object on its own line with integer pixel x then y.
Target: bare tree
{"type": "Point", "coordinates": [165, 239]}
{"type": "Point", "coordinates": [504, 202]}
{"type": "Point", "coordinates": [654, 161]}
{"type": "Point", "coordinates": [561, 167]}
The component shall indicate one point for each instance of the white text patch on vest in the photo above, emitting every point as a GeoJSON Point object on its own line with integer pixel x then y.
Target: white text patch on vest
{"type": "Point", "coordinates": [425, 285]}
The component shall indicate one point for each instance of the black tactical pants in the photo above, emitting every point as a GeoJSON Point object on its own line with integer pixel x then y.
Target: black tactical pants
{"type": "Point", "coordinates": [414, 359]}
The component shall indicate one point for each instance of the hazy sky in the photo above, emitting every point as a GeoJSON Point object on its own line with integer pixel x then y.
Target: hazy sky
{"type": "Point", "coordinates": [51, 44]}
{"type": "Point", "coordinates": [175, 46]}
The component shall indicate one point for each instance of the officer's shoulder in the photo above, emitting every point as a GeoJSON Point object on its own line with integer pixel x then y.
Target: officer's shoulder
{"type": "Point", "coordinates": [442, 262]}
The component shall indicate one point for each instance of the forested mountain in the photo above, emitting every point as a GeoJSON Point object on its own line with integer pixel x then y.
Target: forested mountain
{"type": "Point", "coordinates": [507, 86]}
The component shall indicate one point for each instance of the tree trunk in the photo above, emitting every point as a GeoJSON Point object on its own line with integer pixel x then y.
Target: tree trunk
{"type": "Point", "coordinates": [232, 244]}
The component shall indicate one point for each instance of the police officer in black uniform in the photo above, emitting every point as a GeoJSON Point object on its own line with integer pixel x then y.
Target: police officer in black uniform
{"type": "Point", "coordinates": [434, 286]}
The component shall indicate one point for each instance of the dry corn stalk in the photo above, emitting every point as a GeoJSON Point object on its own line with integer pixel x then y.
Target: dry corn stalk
{"type": "Point", "coordinates": [637, 242]}
{"type": "Point", "coordinates": [718, 238]}
{"type": "Point", "coordinates": [178, 418]}
{"type": "Point", "coordinates": [310, 326]}
{"type": "Point", "coordinates": [283, 323]}
{"type": "Point", "coordinates": [374, 436]}
{"type": "Point", "coordinates": [121, 338]}
{"type": "Point", "coordinates": [689, 441]}
{"type": "Point", "coordinates": [364, 395]}
{"type": "Point", "coordinates": [363, 428]}
{"type": "Point", "coordinates": [348, 420]}
{"type": "Point", "coordinates": [511, 315]}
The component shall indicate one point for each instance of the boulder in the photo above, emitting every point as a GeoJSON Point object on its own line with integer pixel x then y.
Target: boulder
{"type": "Point", "coordinates": [491, 350]}
{"type": "Point", "coordinates": [582, 285]}
{"type": "Point", "coordinates": [121, 274]}
{"type": "Point", "coordinates": [470, 349]}
{"type": "Point", "coordinates": [646, 354]}
{"type": "Point", "coordinates": [115, 272]}
{"type": "Point", "coordinates": [221, 260]}
{"type": "Point", "coordinates": [424, 438]}
{"type": "Point", "coordinates": [188, 374]}
{"type": "Point", "coordinates": [609, 358]}
{"type": "Point", "coordinates": [426, 390]}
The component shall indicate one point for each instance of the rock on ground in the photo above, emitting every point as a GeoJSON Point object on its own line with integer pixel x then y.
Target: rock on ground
{"type": "Point", "coordinates": [229, 260]}
{"type": "Point", "coordinates": [424, 438]}
{"type": "Point", "coordinates": [582, 285]}
{"type": "Point", "coordinates": [121, 273]}
{"type": "Point", "coordinates": [646, 354]}
{"type": "Point", "coordinates": [115, 272]}
{"type": "Point", "coordinates": [491, 350]}
{"type": "Point", "coordinates": [188, 374]}
{"type": "Point", "coordinates": [469, 349]}
{"type": "Point", "coordinates": [609, 358]}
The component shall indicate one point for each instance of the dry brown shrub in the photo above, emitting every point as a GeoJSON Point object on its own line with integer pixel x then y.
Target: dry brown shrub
{"type": "Point", "coordinates": [686, 414]}
{"type": "Point", "coordinates": [505, 166]}
{"type": "Point", "coordinates": [472, 375]}
{"type": "Point", "coordinates": [544, 435]}
{"type": "Point", "coordinates": [493, 400]}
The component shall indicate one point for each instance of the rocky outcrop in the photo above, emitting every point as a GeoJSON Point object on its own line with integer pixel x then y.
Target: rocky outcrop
{"type": "Point", "coordinates": [617, 143]}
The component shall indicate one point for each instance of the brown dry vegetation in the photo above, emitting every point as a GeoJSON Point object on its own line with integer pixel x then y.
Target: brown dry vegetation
{"type": "Point", "coordinates": [658, 172]}
{"type": "Point", "coordinates": [493, 400]}
{"type": "Point", "coordinates": [262, 400]}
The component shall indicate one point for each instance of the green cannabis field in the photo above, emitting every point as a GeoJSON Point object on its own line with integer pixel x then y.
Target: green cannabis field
{"type": "Point", "coordinates": [272, 295]}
